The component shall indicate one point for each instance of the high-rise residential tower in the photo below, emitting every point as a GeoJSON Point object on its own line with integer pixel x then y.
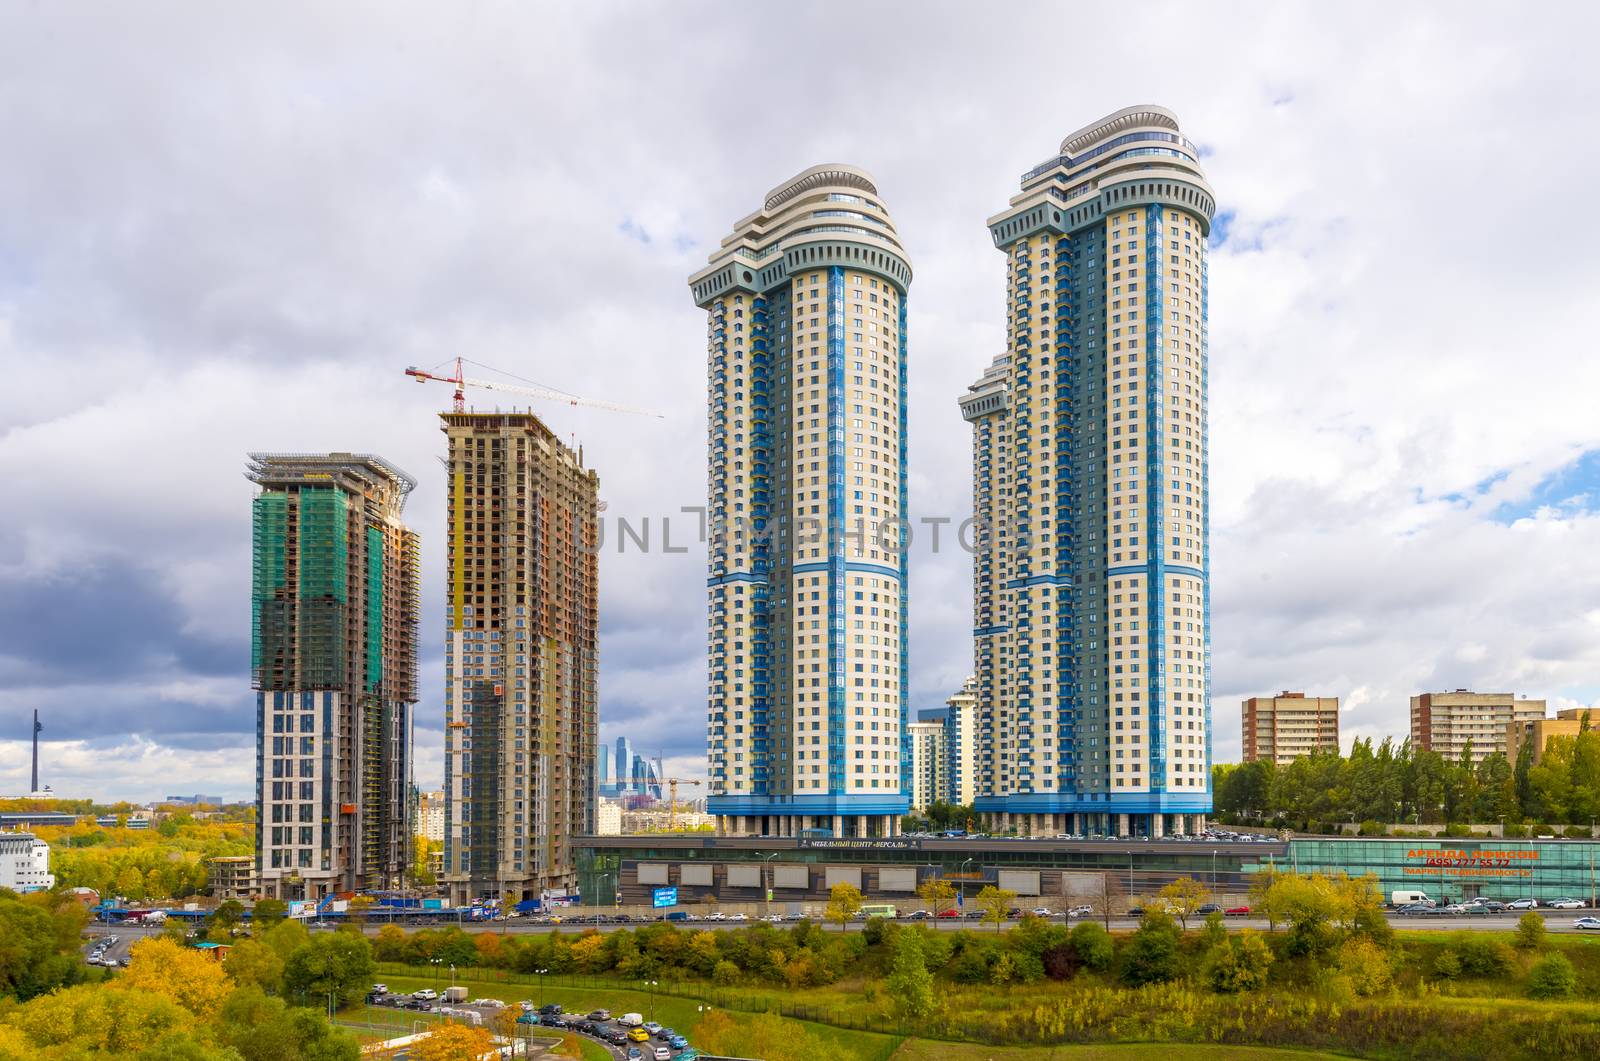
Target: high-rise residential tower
{"type": "Point", "coordinates": [334, 607]}
{"type": "Point", "coordinates": [806, 328]}
{"type": "Point", "coordinates": [521, 618]}
{"type": "Point", "coordinates": [930, 763]}
{"type": "Point", "coordinates": [1091, 573]}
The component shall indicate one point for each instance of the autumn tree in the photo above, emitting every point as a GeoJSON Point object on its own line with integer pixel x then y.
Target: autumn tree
{"type": "Point", "coordinates": [1183, 898]}
{"type": "Point", "coordinates": [937, 894]}
{"type": "Point", "coordinates": [995, 904]}
{"type": "Point", "coordinates": [1109, 899]}
{"type": "Point", "coordinates": [844, 902]}
{"type": "Point", "coordinates": [910, 984]}
{"type": "Point", "coordinates": [188, 977]}
{"type": "Point", "coordinates": [452, 1042]}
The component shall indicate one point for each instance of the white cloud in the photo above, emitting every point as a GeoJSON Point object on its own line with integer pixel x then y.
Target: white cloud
{"type": "Point", "coordinates": [220, 234]}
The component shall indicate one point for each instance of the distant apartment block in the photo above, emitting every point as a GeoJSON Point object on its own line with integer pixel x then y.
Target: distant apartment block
{"type": "Point", "coordinates": [1448, 723]}
{"type": "Point", "coordinates": [334, 603]}
{"type": "Point", "coordinates": [608, 818]}
{"type": "Point", "coordinates": [1537, 732]}
{"type": "Point", "coordinates": [961, 744]}
{"type": "Point", "coordinates": [430, 816]}
{"type": "Point", "coordinates": [521, 630]}
{"type": "Point", "coordinates": [929, 759]}
{"type": "Point", "coordinates": [1280, 729]}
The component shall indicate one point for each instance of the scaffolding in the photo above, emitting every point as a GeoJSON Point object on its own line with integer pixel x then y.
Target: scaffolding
{"type": "Point", "coordinates": [271, 607]}
{"type": "Point", "coordinates": [323, 569]}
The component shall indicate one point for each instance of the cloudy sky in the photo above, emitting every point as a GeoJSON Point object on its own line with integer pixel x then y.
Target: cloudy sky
{"type": "Point", "coordinates": [223, 233]}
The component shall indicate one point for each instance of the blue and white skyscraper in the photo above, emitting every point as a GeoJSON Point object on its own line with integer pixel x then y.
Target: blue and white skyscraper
{"type": "Point", "coordinates": [806, 305]}
{"type": "Point", "coordinates": [1092, 573]}
{"type": "Point", "coordinates": [624, 765]}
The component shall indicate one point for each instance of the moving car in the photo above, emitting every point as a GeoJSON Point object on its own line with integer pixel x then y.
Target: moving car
{"type": "Point", "coordinates": [663, 1053]}
{"type": "Point", "coordinates": [553, 1007]}
{"type": "Point", "coordinates": [1564, 903]}
{"type": "Point", "coordinates": [427, 994]}
{"type": "Point", "coordinates": [1522, 904]}
{"type": "Point", "coordinates": [631, 1020]}
{"type": "Point", "coordinates": [1043, 911]}
{"type": "Point", "coordinates": [638, 1035]}
{"type": "Point", "coordinates": [652, 1027]}
{"type": "Point", "coordinates": [1080, 911]}
{"type": "Point", "coordinates": [600, 1014]}
{"type": "Point", "coordinates": [1237, 911]}
{"type": "Point", "coordinates": [1208, 908]}
{"type": "Point", "coordinates": [1587, 922]}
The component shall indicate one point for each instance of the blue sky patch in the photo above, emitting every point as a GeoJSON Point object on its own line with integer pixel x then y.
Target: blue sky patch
{"type": "Point", "coordinates": [1574, 487]}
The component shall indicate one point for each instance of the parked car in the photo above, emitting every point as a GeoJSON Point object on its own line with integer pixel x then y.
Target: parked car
{"type": "Point", "coordinates": [678, 1042]}
{"type": "Point", "coordinates": [638, 1035]}
{"type": "Point", "coordinates": [1412, 909]}
{"type": "Point", "coordinates": [651, 1026]}
{"type": "Point", "coordinates": [549, 1008]}
{"type": "Point", "coordinates": [1237, 911]}
{"type": "Point", "coordinates": [1564, 903]}
{"type": "Point", "coordinates": [427, 994]}
{"type": "Point", "coordinates": [663, 1053]}
{"type": "Point", "coordinates": [917, 915]}
{"type": "Point", "coordinates": [1587, 922]}
{"type": "Point", "coordinates": [1137, 911]}
{"type": "Point", "coordinates": [950, 913]}
{"type": "Point", "coordinates": [600, 1014]}
{"type": "Point", "coordinates": [1522, 904]}
{"type": "Point", "coordinates": [1208, 908]}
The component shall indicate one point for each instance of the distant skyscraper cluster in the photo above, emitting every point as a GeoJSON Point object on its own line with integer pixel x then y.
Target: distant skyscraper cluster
{"type": "Point", "coordinates": [623, 773]}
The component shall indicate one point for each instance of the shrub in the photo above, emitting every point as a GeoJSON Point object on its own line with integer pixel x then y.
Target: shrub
{"type": "Point", "coordinates": [1372, 828]}
{"type": "Point", "coordinates": [971, 966]}
{"type": "Point", "coordinates": [874, 930]}
{"type": "Point", "coordinates": [1240, 965]}
{"type": "Point", "coordinates": [725, 973]}
{"type": "Point", "coordinates": [1530, 931]}
{"type": "Point", "coordinates": [1093, 944]}
{"type": "Point", "coordinates": [1447, 964]}
{"type": "Point", "coordinates": [1367, 967]}
{"type": "Point", "coordinates": [1482, 956]}
{"type": "Point", "coordinates": [1215, 932]}
{"type": "Point", "coordinates": [1578, 832]}
{"type": "Point", "coordinates": [1552, 977]}
{"type": "Point", "coordinates": [1455, 830]}
{"type": "Point", "coordinates": [1061, 962]}
{"type": "Point", "coordinates": [1516, 831]}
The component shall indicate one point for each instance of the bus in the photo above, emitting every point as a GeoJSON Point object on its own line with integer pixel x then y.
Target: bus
{"type": "Point", "coordinates": [879, 910]}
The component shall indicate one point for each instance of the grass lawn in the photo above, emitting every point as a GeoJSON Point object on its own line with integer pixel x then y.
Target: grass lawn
{"type": "Point", "coordinates": [927, 1050]}
{"type": "Point", "coordinates": [677, 1013]}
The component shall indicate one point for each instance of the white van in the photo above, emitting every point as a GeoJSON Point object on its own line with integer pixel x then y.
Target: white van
{"type": "Point", "coordinates": [631, 1020]}
{"type": "Point", "coordinates": [1406, 898]}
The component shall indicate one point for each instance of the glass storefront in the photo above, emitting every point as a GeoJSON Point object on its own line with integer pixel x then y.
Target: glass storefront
{"type": "Point", "coordinates": [1456, 869]}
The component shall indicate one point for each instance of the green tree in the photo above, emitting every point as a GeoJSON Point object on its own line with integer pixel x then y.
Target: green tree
{"type": "Point", "coordinates": [995, 904]}
{"type": "Point", "coordinates": [1152, 956]}
{"type": "Point", "coordinates": [268, 912]}
{"type": "Point", "coordinates": [844, 902]}
{"type": "Point", "coordinates": [261, 1028]}
{"type": "Point", "coordinates": [336, 963]}
{"type": "Point", "coordinates": [1093, 944]}
{"type": "Point", "coordinates": [252, 963]}
{"type": "Point", "coordinates": [227, 914]}
{"type": "Point", "coordinates": [286, 937]}
{"type": "Point", "coordinates": [1552, 976]}
{"type": "Point", "coordinates": [910, 984]}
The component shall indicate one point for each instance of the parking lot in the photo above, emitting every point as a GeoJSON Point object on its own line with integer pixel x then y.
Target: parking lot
{"type": "Point", "coordinates": [627, 1036]}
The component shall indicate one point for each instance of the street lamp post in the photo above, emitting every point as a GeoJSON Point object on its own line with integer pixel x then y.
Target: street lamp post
{"type": "Point", "coordinates": [963, 883]}
{"type": "Point", "coordinates": [541, 973]}
{"type": "Point", "coordinates": [650, 1010]}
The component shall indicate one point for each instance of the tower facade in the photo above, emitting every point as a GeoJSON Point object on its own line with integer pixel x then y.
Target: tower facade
{"type": "Point", "coordinates": [521, 630]}
{"type": "Point", "coordinates": [334, 608]}
{"type": "Point", "coordinates": [806, 609]}
{"type": "Point", "coordinates": [1092, 567]}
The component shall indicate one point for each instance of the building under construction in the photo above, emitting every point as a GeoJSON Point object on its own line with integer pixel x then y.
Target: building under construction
{"type": "Point", "coordinates": [520, 657]}
{"type": "Point", "coordinates": [334, 609]}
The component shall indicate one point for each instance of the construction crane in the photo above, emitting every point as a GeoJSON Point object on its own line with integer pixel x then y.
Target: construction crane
{"type": "Point", "coordinates": [463, 381]}
{"type": "Point", "coordinates": [672, 804]}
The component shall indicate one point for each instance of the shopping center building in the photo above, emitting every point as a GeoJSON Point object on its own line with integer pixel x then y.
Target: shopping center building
{"type": "Point", "coordinates": [629, 870]}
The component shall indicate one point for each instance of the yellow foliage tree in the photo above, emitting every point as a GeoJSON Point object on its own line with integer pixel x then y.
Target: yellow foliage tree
{"type": "Point", "coordinates": [937, 894]}
{"type": "Point", "coordinates": [1184, 897]}
{"type": "Point", "coordinates": [89, 1020]}
{"type": "Point", "coordinates": [183, 975]}
{"type": "Point", "coordinates": [586, 953]}
{"type": "Point", "coordinates": [844, 902]}
{"type": "Point", "coordinates": [453, 1042]}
